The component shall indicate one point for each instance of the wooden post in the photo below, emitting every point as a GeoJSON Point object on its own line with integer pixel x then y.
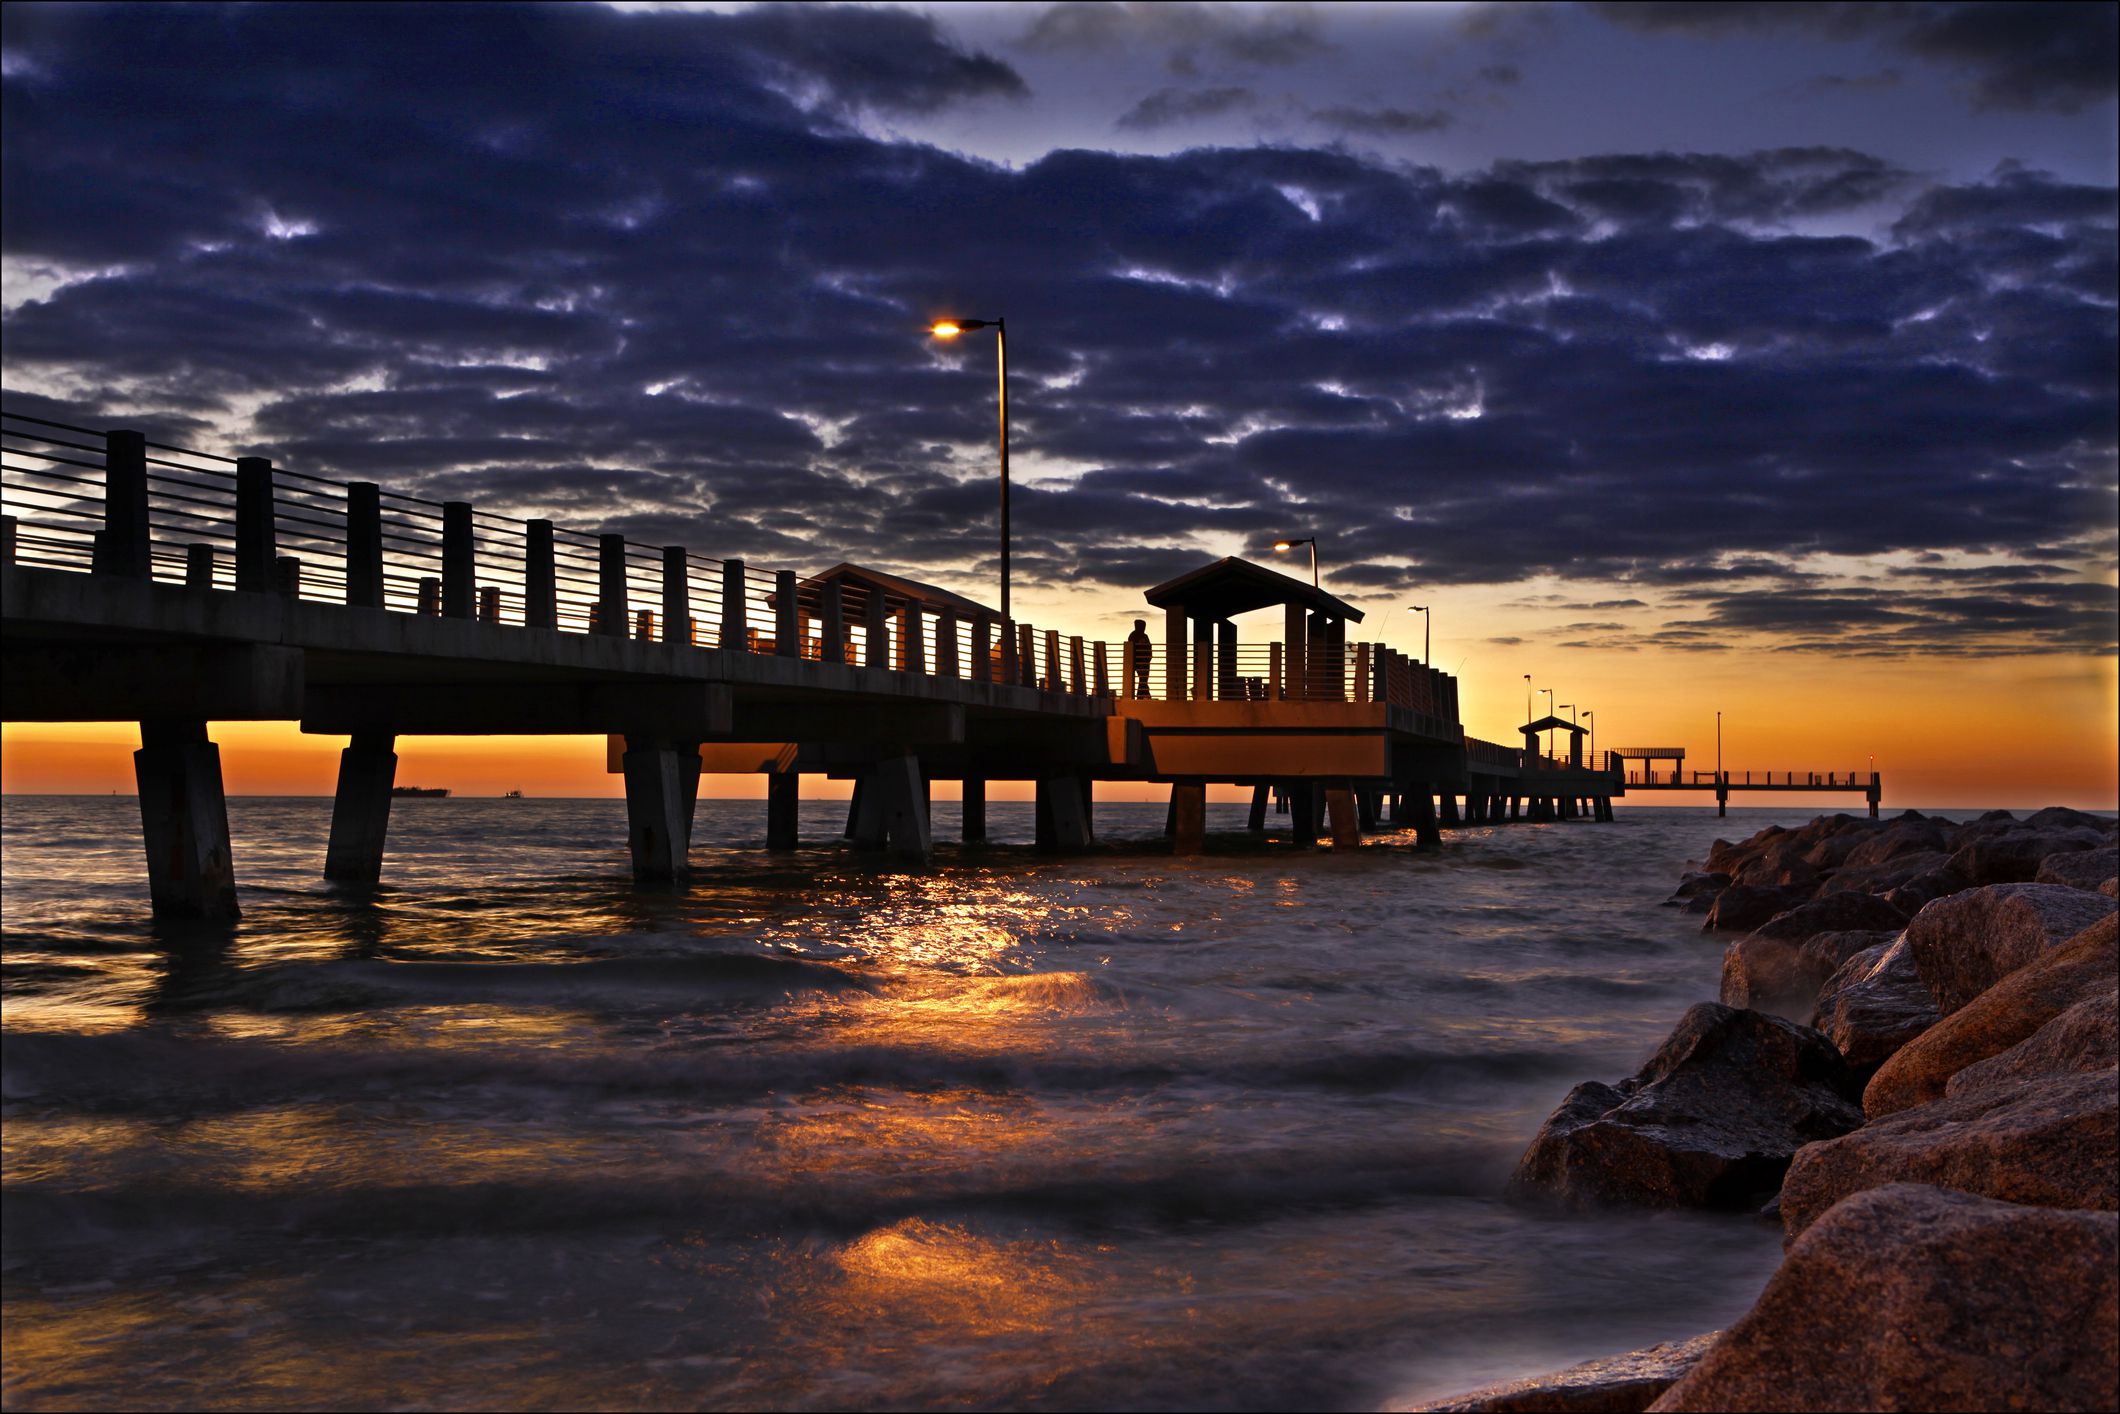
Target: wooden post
{"type": "Point", "coordinates": [787, 615]}
{"type": "Point", "coordinates": [1203, 673]}
{"type": "Point", "coordinates": [459, 570]}
{"type": "Point", "coordinates": [1256, 822]}
{"type": "Point", "coordinates": [1129, 671]}
{"type": "Point", "coordinates": [644, 625]}
{"type": "Point", "coordinates": [1362, 684]}
{"type": "Point", "coordinates": [429, 603]}
{"type": "Point", "coordinates": [198, 566]}
{"type": "Point", "coordinates": [489, 604]}
{"type": "Point", "coordinates": [7, 542]}
{"type": "Point", "coordinates": [1276, 674]}
{"type": "Point", "coordinates": [184, 821]}
{"type": "Point", "coordinates": [1346, 819]}
{"type": "Point", "coordinates": [834, 613]}
{"type": "Point", "coordinates": [360, 810]}
{"type": "Point", "coordinates": [1078, 681]}
{"type": "Point", "coordinates": [1026, 656]}
{"type": "Point", "coordinates": [783, 806]}
{"type": "Point", "coordinates": [878, 647]}
{"type": "Point", "coordinates": [734, 631]}
{"type": "Point", "coordinates": [611, 608]}
{"type": "Point", "coordinates": [982, 651]}
{"type": "Point", "coordinates": [540, 581]}
{"type": "Point", "coordinates": [364, 545]}
{"type": "Point", "coordinates": [287, 577]}
{"type": "Point", "coordinates": [254, 525]}
{"type": "Point", "coordinates": [1188, 803]}
{"type": "Point", "coordinates": [946, 662]}
{"type": "Point", "coordinates": [1426, 833]}
{"type": "Point", "coordinates": [1294, 628]}
{"type": "Point", "coordinates": [1176, 661]}
{"type": "Point", "coordinates": [1227, 688]}
{"type": "Point", "coordinates": [1053, 681]}
{"type": "Point", "coordinates": [676, 596]}
{"type": "Point", "coordinates": [1103, 670]}
{"type": "Point", "coordinates": [912, 640]}
{"type": "Point", "coordinates": [122, 548]}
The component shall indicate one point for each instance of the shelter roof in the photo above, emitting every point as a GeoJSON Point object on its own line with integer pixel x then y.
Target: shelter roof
{"type": "Point", "coordinates": [930, 597]}
{"type": "Point", "coordinates": [1232, 586]}
{"type": "Point", "coordinates": [1547, 724]}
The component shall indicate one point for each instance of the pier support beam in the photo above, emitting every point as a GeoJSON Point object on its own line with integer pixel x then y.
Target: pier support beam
{"type": "Point", "coordinates": [1188, 806]}
{"type": "Point", "coordinates": [662, 788]}
{"type": "Point", "coordinates": [974, 810]}
{"type": "Point", "coordinates": [1450, 809]}
{"type": "Point", "coordinates": [1346, 822]}
{"type": "Point", "coordinates": [783, 809]}
{"type": "Point", "coordinates": [1256, 821]}
{"type": "Point", "coordinates": [360, 810]}
{"type": "Point", "coordinates": [1426, 833]}
{"type": "Point", "coordinates": [901, 806]}
{"type": "Point", "coordinates": [1063, 814]}
{"type": "Point", "coordinates": [1306, 807]}
{"type": "Point", "coordinates": [184, 821]}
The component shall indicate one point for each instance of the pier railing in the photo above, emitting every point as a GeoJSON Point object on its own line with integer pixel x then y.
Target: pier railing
{"type": "Point", "coordinates": [112, 503]}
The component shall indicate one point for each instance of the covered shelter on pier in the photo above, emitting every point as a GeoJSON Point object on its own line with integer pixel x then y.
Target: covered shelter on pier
{"type": "Point", "coordinates": [1210, 598]}
{"type": "Point", "coordinates": [1532, 731]}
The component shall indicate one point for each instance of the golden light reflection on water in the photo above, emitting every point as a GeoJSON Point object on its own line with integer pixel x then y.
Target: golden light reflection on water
{"type": "Point", "coordinates": [944, 1274]}
{"type": "Point", "coordinates": [964, 922]}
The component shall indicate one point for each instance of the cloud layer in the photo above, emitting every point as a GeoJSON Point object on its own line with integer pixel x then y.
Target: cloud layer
{"type": "Point", "coordinates": [653, 272]}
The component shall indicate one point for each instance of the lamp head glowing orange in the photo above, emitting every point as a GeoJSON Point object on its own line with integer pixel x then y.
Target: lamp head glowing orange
{"type": "Point", "coordinates": [951, 328]}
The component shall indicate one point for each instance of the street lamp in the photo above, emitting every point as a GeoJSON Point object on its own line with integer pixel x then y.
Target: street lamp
{"type": "Point", "coordinates": [1527, 699]}
{"type": "Point", "coordinates": [950, 329]}
{"type": "Point", "coordinates": [1549, 712]}
{"type": "Point", "coordinates": [1569, 708]}
{"type": "Point", "coordinates": [1591, 717]}
{"type": "Point", "coordinates": [1427, 623]}
{"type": "Point", "coordinates": [1283, 546]}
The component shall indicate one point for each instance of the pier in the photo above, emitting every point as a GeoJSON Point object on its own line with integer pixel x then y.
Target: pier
{"type": "Point", "coordinates": [172, 587]}
{"type": "Point", "coordinates": [1637, 766]}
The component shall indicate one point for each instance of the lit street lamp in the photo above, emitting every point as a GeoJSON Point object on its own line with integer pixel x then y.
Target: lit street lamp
{"type": "Point", "coordinates": [1427, 623]}
{"type": "Point", "coordinates": [1591, 718]}
{"type": "Point", "coordinates": [1549, 712]}
{"type": "Point", "coordinates": [1283, 546]}
{"type": "Point", "coordinates": [950, 329]}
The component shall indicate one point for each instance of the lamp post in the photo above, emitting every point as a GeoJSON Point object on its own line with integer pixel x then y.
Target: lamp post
{"type": "Point", "coordinates": [950, 329]}
{"type": "Point", "coordinates": [1427, 623]}
{"type": "Point", "coordinates": [1569, 708]}
{"type": "Point", "coordinates": [1549, 712]}
{"type": "Point", "coordinates": [1284, 546]}
{"type": "Point", "coordinates": [1591, 717]}
{"type": "Point", "coordinates": [1718, 748]}
{"type": "Point", "coordinates": [1527, 699]}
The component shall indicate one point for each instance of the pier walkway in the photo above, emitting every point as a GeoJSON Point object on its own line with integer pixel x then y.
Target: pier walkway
{"type": "Point", "coordinates": [157, 584]}
{"type": "Point", "coordinates": [1724, 783]}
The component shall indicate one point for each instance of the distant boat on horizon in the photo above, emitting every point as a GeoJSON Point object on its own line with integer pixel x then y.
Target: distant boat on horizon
{"type": "Point", "coordinates": [513, 795]}
{"type": "Point", "coordinates": [419, 790]}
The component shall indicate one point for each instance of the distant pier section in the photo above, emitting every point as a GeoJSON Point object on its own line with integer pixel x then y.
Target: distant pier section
{"type": "Point", "coordinates": [1663, 768]}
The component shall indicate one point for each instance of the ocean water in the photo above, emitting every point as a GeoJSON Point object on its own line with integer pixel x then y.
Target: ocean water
{"type": "Point", "coordinates": [812, 1131]}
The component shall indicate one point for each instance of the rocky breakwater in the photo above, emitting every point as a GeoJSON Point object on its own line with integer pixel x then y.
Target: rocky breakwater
{"type": "Point", "coordinates": [1914, 1068]}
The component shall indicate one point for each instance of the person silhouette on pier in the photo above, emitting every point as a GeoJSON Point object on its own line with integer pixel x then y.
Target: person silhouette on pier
{"type": "Point", "coordinates": [1139, 649]}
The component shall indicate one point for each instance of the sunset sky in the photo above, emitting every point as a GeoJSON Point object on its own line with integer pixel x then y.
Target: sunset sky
{"type": "Point", "coordinates": [1692, 357]}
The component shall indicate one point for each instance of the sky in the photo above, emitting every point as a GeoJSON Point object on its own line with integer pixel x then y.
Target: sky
{"type": "Point", "coordinates": [1689, 357]}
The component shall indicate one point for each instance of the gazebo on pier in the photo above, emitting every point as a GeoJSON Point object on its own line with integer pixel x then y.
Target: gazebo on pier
{"type": "Point", "coordinates": [1531, 731]}
{"type": "Point", "coordinates": [1201, 659]}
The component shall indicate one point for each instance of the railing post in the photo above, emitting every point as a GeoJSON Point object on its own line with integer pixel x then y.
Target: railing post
{"type": "Point", "coordinates": [912, 649]}
{"type": "Point", "coordinates": [1104, 676]}
{"type": "Point", "coordinates": [834, 612]}
{"type": "Point", "coordinates": [1026, 656]}
{"type": "Point", "coordinates": [1129, 671]}
{"type": "Point", "coordinates": [1176, 661]}
{"type": "Point", "coordinates": [489, 604]}
{"type": "Point", "coordinates": [122, 547]}
{"type": "Point", "coordinates": [198, 566]}
{"type": "Point", "coordinates": [1226, 661]}
{"type": "Point", "coordinates": [876, 648]}
{"type": "Point", "coordinates": [1053, 680]}
{"type": "Point", "coordinates": [1362, 683]}
{"type": "Point", "coordinates": [982, 651]}
{"type": "Point", "coordinates": [430, 597]}
{"type": "Point", "coordinates": [644, 625]}
{"type": "Point", "coordinates": [1203, 669]}
{"type": "Point", "coordinates": [611, 585]}
{"type": "Point", "coordinates": [1077, 682]}
{"type": "Point", "coordinates": [946, 665]}
{"type": "Point", "coordinates": [787, 615]}
{"type": "Point", "coordinates": [254, 529]}
{"type": "Point", "coordinates": [736, 613]}
{"type": "Point", "coordinates": [676, 596]}
{"type": "Point", "coordinates": [459, 569]}
{"type": "Point", "coordinates": [1276, 675]}
{"type": "Point", "coordinates": [364, 545]}
{"type": "Point", "coordinates": [1295, 636]}
{"type": "Point", "coordinates": [540, 578]}
{"type": "Point", "coordinates": [7, 542]}
{"type": "Point", "coordinates": [287, 577]}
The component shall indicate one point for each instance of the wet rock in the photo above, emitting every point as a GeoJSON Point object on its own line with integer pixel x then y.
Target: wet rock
{"type": "Point", "coordinates": [1881, 876]}
{"type": "Point", "coordinates": [1835, 913]}
{"type": "Point", "coordinates": [2050, 1142]}
{"type": "Point", "coordinates": [1746, 906]}
{"type": "Point", "coordinates": [2084, 1038]}
{"type": "Point", "coordinates": [2110, 888]}
{"type": "Point", "coordinates": [1966, 943]}
{"type": "Point", "coordinates": [1908, 1297]}
{"type": "Point", "coordinates": [2062, 816]}
{"type": "Point", "coordinates": [2014, 856]}
{"type": "Point", "coordinates": [1875, 1004]}
{"type": "Point", "coordinates": [1701, 883]}
{"type": "Point", "coordinates": [2081, 868]}
{"type": "Point", "coordinates": [1925, 888]}
{"type": "Point", "coordinates": [1997, 1019]}
{"type": "Point", "coordinates": [1899, 839]}
{"type": "Point", "coordinates": [1615, 1384]}
{"type": "Point", "coordinates": [1784, 975]}
{"type": "Point", "coordinates": [1710, 1121]}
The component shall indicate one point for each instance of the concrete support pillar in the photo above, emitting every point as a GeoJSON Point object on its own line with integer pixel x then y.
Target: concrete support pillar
{"type": "Point", "coordinates": [1188, 804]}
{"type": "Point", "coordinates": [901, 807]}
{"type": "Point", "coordinates": [974, 810]}
{"type": "Point", "coordinates": [254, 525]}
{"type": "Point", "coordinates": [783, 809]}
{"type": "Point", "coordinates": [540, 579]}
{"type": "Point", "coordinates": [1256, 821]}
{"type": "Point", "coordinates": [459, 561]}
{"type": "Point", "coordinates": [1346, 823]}
{"type": "Point", "coordinates": [1450, 809]}
{"type": "Point", "coordinates": [1304, 805]}
{"type": "Point", "coordinates": [1175, 657]}
{"type": "Point", "coordinates": [1063, 820]}
{"type": "Point", "coordinates": [662, 783]}
{"type": "Point", "coordinates": [184, 821]}
{"type": "Point", "coordinates": [1426, 833]}
{"type": "Point", "coordinates": [1369, 807]}
{"type": "Point", "coordinates": [360, 810]}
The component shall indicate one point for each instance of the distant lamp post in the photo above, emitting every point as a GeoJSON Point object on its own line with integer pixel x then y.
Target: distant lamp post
{"type": "Point", "coordinates": [1284, 546]}
{"type": "Point", "coordinates": [1569, 708]}
{"type": "Point", "coordinates": [1591, 718]}
{"type": "Point", "coordinates": [1549, 712]}
{"type": "Point", "coordinates": [1527, 699]}
{"type": "Point", "coordinates": [950, 329]}
{"type": "Point", "coordinates": [1427, 623]}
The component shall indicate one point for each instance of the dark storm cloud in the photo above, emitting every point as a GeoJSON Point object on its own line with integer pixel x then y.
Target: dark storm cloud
{"type": "Point", "coordinates": [1382, 122]}
{"type": "Point", "coordinates": [647, 273]}
{"type": "Point", "coordinates": [2021, 54]}
{"type": "Point", "coordinates": [1181, 105]}
{"type": "Point", "coordinates": [1266, 37]}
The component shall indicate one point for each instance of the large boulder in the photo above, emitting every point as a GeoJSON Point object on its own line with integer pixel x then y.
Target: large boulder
{"type": "Point", "coordinates": [2086, 1037]}
{"type": "Point", "coordinates": [1908, 835]}
{"type": "Point", "coordinates": [1920, 890]}
{"type": "Point", "coordinates": [1710, 1121]}
{"type": "Point", "coordinates": [2051, 1142]}
{"type": "Point", "coordinates": [1834, 913]}
{"type": "Point", "coordinates": [2080, 869]}
{"type": "Point", "coordinates": [2067, 817]}
{"type": "Point", "coordinates": [2014, 856]}
{"type": "Point", "coordinates": [1968, 942]}
{"type": "Point", "coordinates": [1874, 1005]}
{"type": "Point", "coordinates": [1613, 1384]}
{"type": "Point", "coordinates": [1743, 907]}
{"type": "Point", "coordinates": [1783, 975]}
{"type": "Point", "coordinates": [1908, 1297]}
{"type": "Point", "coordinates": [1883, 876]}
{"type": "Point", "coordinates": [1998, 1018]}
{"type": "Point", "coordinates": [1699, 884]}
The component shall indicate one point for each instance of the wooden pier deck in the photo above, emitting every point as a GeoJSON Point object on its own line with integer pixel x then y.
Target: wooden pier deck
{"type": "Point", "coordinates": [175, 588]}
